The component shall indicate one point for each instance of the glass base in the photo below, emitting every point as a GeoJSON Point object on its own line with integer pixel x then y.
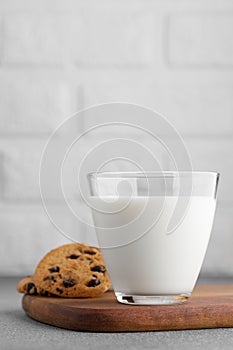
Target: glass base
{"type": "Point", "coordinates": [152, 299]}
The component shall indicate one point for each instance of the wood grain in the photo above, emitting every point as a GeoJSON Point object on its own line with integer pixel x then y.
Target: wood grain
{"type": "Point", "coordinates": [209, 307]}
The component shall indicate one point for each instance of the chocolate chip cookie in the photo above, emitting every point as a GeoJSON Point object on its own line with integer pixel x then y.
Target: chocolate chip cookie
{"type": "Point", "coordinates": [72, 270]}
{"type": "Point", "coordinates": [27, 285]}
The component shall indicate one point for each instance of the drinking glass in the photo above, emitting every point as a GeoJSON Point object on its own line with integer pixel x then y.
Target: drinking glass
{"type": "Point", "coordinates": [153, 229]}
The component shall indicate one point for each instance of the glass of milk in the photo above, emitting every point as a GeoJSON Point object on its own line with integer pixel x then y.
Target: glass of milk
{"type": "Point", "coordinates": [153, 229]}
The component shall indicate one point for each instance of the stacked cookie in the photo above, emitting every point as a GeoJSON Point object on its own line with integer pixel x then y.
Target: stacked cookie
{"type": "Point", "coordinates": [72, 271]}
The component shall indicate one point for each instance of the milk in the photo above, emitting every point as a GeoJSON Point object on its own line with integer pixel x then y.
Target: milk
{"type": "Point", "coordinates": [142, 258]}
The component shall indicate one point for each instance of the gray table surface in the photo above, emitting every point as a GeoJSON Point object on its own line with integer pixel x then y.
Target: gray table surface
{"type": "Point", "coordinates": [17, 331]}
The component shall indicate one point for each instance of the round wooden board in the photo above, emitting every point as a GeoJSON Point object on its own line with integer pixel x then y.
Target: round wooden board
{"type": "Point", "coordinates": [209, 307]}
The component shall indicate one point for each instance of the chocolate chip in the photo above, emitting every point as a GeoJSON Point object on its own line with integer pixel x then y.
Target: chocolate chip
{"type": "Point", "coordinates": [94, 276]}
{"type": "Point", "coordinates": [89, 252]}
{"type": "Point", "coordinates": [68, 284]}
{"type": "Point", "coordinates": [31, 288]}
{"type": "Point", "coordinates": [50, 278]}
{"type": "Point", "coordinates": [60, 291]}
{"type": "Point", "coordinates": [98, 268]}
{"type": "Point", "coordinates": [93, 283]}
{"type": "Point", "coordinates": [54, 269]}
{"type": "Point", "coordinates": [73, 256]}
{"type": "Point", "coordinates": [90, 261]}
{"type": "Point", "coordinates": [45, 293]}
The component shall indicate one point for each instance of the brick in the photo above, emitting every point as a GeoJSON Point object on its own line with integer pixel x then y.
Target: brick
{"type": "Point", "coordinates": [105, 144]}
{"type": "Point", "coordinates": [1, 39]}
{"type": "Point", "coordinates": [26, 235]}
{"type": "Point", "coordinates": [214, 155]}
{"type": "Point", "coordinates": [118, 37]}
{"type": "Point", "coordinates": [1, 175]}
{"type": "Point", "coordinates": [115, 38]}
{"type": "Point", "coordinates": [33, 39]}
{"type": "Point", "coordinates": [201, 39]}
{"type": "Point", "coordinates": [21, 166]}
{"type": "Point", "coordinates": [60, 166]}
{"type": "Point", "coordinates": [32, 106]}
{"type": "Point", "coordinates": [126, 119]}
{"type": "Point", "coordinates": [126, 154]}
{"type": "Point", "coordinates": [21, 169]}
{"type": "Point", "coordinates": [199, 109]}
{"type": "Point", "coordinates": [219, 258]}
{"type": "Point", "coordinates": [93, 155]}
{"type": "Point", "coordinates": [194, 108]}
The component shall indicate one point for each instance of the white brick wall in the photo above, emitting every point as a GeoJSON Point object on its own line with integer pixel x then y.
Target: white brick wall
{"type": "Point", "coordinates": [33, 39]}
{"type": "Point", "coordinates": [108, 38]}
{"type": "Point", "coordinates": [215, 155]}
{"type": "Point", "coordinates": [58, 57]}
{"type": "Point", "coordinates": [202, 39]}
{"type": "Point", "coordinates": [26, 233]}
{"type": "Point", "coordinates": [194, 107]}
{"type": "Point", "coordinates": [31, 104]}
{"type": "Point", "coordinates": [21, 162]}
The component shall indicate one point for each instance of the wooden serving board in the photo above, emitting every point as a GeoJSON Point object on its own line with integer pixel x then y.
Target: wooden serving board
{"type": "Point", "coordinates": [209, 307]}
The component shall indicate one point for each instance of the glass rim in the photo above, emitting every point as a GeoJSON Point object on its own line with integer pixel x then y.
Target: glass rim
{"type": "Point", "coordinates": [150, 174]}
